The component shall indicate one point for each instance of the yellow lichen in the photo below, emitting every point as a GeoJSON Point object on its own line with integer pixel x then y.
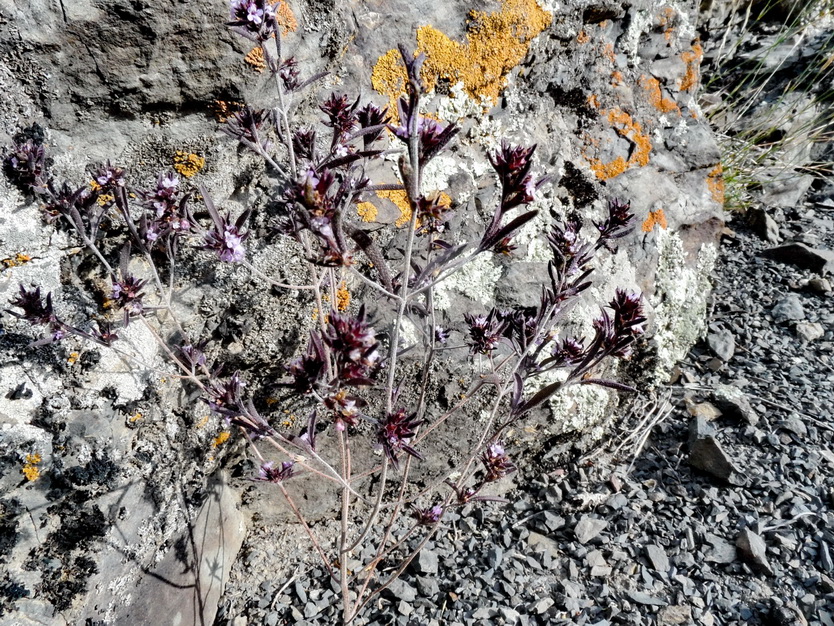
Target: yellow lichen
{"type": "Point", "coordinates": [16, 261]}
{"type": "Point", "coordinates": [656, 99]}
{"type": "Point", "coordinates": [73, 357]}
{"type": "Point", "coordinates": [367, 211]}
{"type": "Point", "coordinates": [285, 17]}
{"type": "Point", "coordinates": [30, 468]}
{"type": "Point", "coordinates": [692, 58]}
{"type": "Point", "coordinates": [342, 297]}
{"type": "Point", "coordinates": [202, 422]}
{"type": "Point", "coordinates": [715, 183]}
{"type": "Point", "coordinates": [655, 218]}
{"type": "Point", "coordinates": [105, 199]}
{"type": "Point", "coordinates": [221, 439]}
{"type": "Point", "coordinates": [400, 198]}
{"type": "Point", "coordinates": [136, 417]}
{"type": "Point", "coordinates": [631, 130]}
{"type": "Point", "coordinates": [188, 164]}
{"type": "Point", "coordinates": [495, 43]}
{"type": "Point", "coordinates": [583, 37]}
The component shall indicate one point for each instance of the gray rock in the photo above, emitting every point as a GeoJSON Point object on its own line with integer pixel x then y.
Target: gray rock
{"type": "Point", "coordinates": [588, 528]}
{"type": "Point", "coordinates": [540, 543]}
{"type": "Point", "coordinates": [809, 331]}
{"type": "Point", "coordinates": [401, 590]}
{"type": "Point", "coordinates": [733, 403]}
{"type": "Point", "coordinates": [819, 286]}
{"type": "Point", "coordinates": [675, 615]}
{"type": "Point", "coordinates": [543, 605]}
{"type": "Point", "coordinates": [721, 551]}
{"type": "Point", "coordinates": [426, 562]}
{"type": "Point", "coordinates": [707, 455]}
{"type": "Point", "coordinates": [722, 343]}
{"type": "Point", "coordinates": [802, 256]}
{"type": "Point", "coordinates": [788, 308]}
{"type": "Point", "coordinates": [644, 598]}
{"type": "Point", "coordinates": [657, 557]}
{"type": "Point", "coordinates": [427, 586]}
{"type": "Point", "coordinates": [763, 224]}
{"type": "Point", "coordinates": [752, 549]}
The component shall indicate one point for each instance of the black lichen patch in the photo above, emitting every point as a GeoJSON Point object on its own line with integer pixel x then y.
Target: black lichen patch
{"type": "Point", "coordinates": [10, 511]}
{"type": "Point", "coordinates": [10, 592]}
{"type": "Point", "coordinates": [574, 99]}
{"type": "Point", "coordinates": [96, 472]}
{"type": "Point", "coordinates": [61, 558]}
{"type": "Point", "coordinates": [578, 186]}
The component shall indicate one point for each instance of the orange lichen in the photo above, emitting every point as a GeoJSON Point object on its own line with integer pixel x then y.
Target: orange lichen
{"type": "Point", "coordinates": [715, 183]}
{"type": "Point", "coordinates": [608, 52]}
{"type": "Point", "coordinates": [656, 99]}
{"type": "Point", "coordinates": [223, 109]}
{"type": "Point", "coordinates": [583, 37]}
{"type": "Point", "coordinates": [655, 218]}
{"type": "Point", "coordinates": [631, 130]}
{"type": "Point", "coordinates": [220, 439]}
{"type": "Point", "coordinates": [30, 468]}
{"type": "Point", "coordinates": [692, 58]}
{"type": "Point", "coordinates": [255, 59]}
{"type": "Point", "coordinates": [616, 78]}
{"type": "Point", "coordinates": [188, 164]}
{"type": "Point", "coordinates": [73, 357]}
{"type": "Point", "coordinates": [16, 261]}
{"type": "Point", "coordinates": [342, 298]}
{"type": "Point", "coordinates": [593, 101]}
{"type": "Point", "coordinates": [495, 43]}
{"type": "Point", "coordinates": [367, 211]}
{"type": "Point", "coordinates": [285, 17]}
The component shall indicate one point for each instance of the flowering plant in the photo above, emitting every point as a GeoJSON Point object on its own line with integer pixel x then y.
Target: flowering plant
{"type": "Point", "coordinates": [351, 373]}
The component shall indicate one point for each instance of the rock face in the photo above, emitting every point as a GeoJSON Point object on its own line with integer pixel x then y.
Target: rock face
{"type": "Point", "coordinates": [608, 91]}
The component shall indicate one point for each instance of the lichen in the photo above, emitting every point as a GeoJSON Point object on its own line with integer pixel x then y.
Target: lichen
{"type": "Point", "coordinates": [655, 95]}
{"type": "Point", "coordinates": [476, 280]}
{"type": "Point", "coordinates": [715, 183]}
{"type": "Point", "coordinates": [655, 218]}
{"type": "Point", "coordinates": [631, 130]}
{"type": "Point", "coordinates": [679, 301]}
{"type": "Point", "coordinates": [692, 58]}
{"type": "Point", "coordinates": [188, 164]}
{"type": "Point", "coordinates": [30, 468]}
{"type": "Point", "coordinates": [366, 211]}
{"type": "Point", "coordinates": [495, 43]}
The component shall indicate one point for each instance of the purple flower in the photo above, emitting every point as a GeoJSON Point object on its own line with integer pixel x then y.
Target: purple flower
{"type": "Point", "coordinates": [371, 116]}
{"type": "Point", "coordinates": [225, 396]}
{"type": "Point", "coordinates": [127, 295]}
{"type": "Point", "coordinates": [307, 370]}
{"type": "Point", "coordinates": [496, 463]}
{"type": "Point", "coordinates": [254, 19]}
{"type": "Point", "coordinates": [35, 309]}
{"type": "Point", "coordinates": [354, 346]}
{"type": "Point", "coordinates": [441, 335]}
{"type": "Point", "coordinates": [433, 136]}
{"type": "Point", "coordinates": [245, 126]}
{"type": "Point", "coordinates": [394, 432]}
{"type": "Point", "coordinates": [428, 516]}
{"type": "Point", "coordinates": [344, 408]}
{"type": "Point", "coordinates": [25, 165]}
{"type": "Point", "coordinates": [192, 355]}
{"type": "Point", "coordinates": [485, 331]}
{"type": "Point", "coordinates": [225, 238]}
{"type": "Point", "coordinates": [268, 473]}
{"type": "Point", "coordinates": [341, 114]}
{"type": "Point", "coordinates": [110, 177]}
{"type": "Point", "coordinates": [569, 351]}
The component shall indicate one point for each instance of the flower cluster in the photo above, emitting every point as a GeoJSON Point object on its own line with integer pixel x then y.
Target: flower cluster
{"type": "Point", "coordinates": [254, 19]}
{"type": "Point", "coordinates": [270, 473]}
{"type": "Point", "coordinates": [225, 237]}
{"type": "Point", "coordinates": [496, 463]}
{"type": "Point", "coordinates": [617, 334]}
{"type": "Point", "coordinates": [167, 212]}
{"type": "Point", "coordinates": [245, 126]}
{"type": "Point", "coordinates": [26, 166]}
{"type": "Point", "coordinates": [395, 431]}
{"type": "Point", "coordinates": [354, 346]}
{"type": "Point", "coordinates": [485, 331]}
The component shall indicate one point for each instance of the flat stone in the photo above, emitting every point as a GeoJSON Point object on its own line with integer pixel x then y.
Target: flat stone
{"type": "Point", "coordinates": [733, 403]}
{"type": "Point", "coordinates": [707, 455]}
{"type": "Point", "coordinates": [426, 562]}
{"type": "Point", "coordinates": [401, 590]}
{"type": "Point", "coordinates": [643, 598]}
{"type": "Point", "coordinates": [706, 410]}
{"type": "Point", "coordinates": [601, 571]}
{"type": "Point", "coordinates": [427, 586]}
{"type": "Point", "coordinates": [542, 605]}
{"type": "Point", "coordinates": [722, 343]}
{"type": "Point", "coordinates": [588, 528]}
{"type": "Point", "coordinates": [788, 309]}
{"type": "Point", "coordinates": [752, 549]}
{"type": "Point", "coordinates": [820, 286]}
{"type": "Point", "coordinates": [722, 551]}
{"type": "Point", "coordinates": [809, 331]}
{"type": "Point", "coordinates": [540, 543]}
{"type": "Point", "coordinates": [657, 557]}
{"type": "Point", "coordinates": [802, 256]}
{"type": "Point", "coordinates": [675, 615]}
{"type": "Point", "coordinates": [763, 224]}
{"type": "Point", "coordinates": [594, 558]}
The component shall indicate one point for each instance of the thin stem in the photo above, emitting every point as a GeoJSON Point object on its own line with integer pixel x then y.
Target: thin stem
{"type": "Point", "coordinates": [377, 506]}
{"type": "Point", "coordinates": [347, 607]}
{"type": "Point", "coordinates": [308, 530]}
